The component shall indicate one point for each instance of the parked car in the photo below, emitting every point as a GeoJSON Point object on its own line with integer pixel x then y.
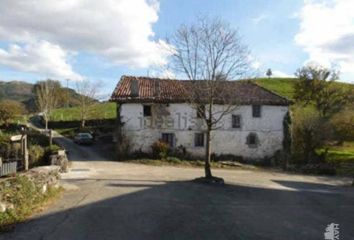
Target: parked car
{"type": "Point", "coordinates": [83, 138]}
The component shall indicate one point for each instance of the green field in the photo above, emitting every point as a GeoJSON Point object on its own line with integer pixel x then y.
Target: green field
{"type": "Point", "coordinates": [97, 111]}
{"type": "Point", "coordinates": [281, 86]}
{"type": "Point", "coordinates": [285, 86]}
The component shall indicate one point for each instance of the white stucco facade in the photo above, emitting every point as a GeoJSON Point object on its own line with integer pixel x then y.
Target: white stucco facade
{"type": "Point", "coordinates": [180, 119]}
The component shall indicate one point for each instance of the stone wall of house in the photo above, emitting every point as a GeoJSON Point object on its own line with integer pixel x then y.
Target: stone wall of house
{"type": "Point", "coordinates": [41, 177]}
{"type": "Point", "coordinates": [181, 120]}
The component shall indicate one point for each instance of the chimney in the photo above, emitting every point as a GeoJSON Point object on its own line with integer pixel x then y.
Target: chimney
{"type": "Point", "coordinates": [134, 88]}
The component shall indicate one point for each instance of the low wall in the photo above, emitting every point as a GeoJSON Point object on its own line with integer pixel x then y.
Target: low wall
{"type": "Point", "coordinates": [41, 177]}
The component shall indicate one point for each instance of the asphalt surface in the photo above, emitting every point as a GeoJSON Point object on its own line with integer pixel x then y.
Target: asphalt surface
{"type": "Point", "coordinates": [112, 200]}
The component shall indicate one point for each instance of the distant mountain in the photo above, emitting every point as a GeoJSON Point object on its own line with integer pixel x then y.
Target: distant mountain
{"type": "Point", "coordinates": [23, 92]}
{"type": "Point", "coordinates": [16, 90]}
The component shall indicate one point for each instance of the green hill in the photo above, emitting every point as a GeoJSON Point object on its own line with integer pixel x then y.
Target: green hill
{"type": "Point", "coordinates": [16, 90]}
{"type": "Point", "coordinates": [285, 86]}
{"type": "Point", "coordinates": [281, 86]}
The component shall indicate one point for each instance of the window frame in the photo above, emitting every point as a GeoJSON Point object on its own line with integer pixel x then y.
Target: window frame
{"type": "Point", "coordinates": [238, 126]}
{"type": "Point", "coordinates": [197, 140]}
{"type": "Point", "coordinates": [200, 111]}
{"type": "Point", "coordinates": [256, 111]}
{"type": "Point", "coordinates": [149, 111]}
{"type": "Point", "coordinates": [255, 143]}
{"type": "Point", "coordinates": [173, 139]}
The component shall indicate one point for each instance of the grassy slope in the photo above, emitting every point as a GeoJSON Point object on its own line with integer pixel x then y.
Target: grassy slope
{"type": "Point", "coordinates": [285, 86]}
{"type": "Point", "coordinates": [98, 111]}
{"type": "Point", "coordinates": [281, 86]}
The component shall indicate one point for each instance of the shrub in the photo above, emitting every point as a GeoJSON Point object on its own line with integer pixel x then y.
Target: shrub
{"type": "Point", "coordinates": [343, 123]}
{"type": "Point", "coordinates": [50, 151]}
{"type": "Point", "coordinates": [5, 146]}
{"type": "Point", "coordinates": [310, 131]}
{"type": "Point", "coordinates": [180, 152]}
{"type": "Point", "coordinates": [25, 197]}
{"type": "Point", "coordinates": [36, 154]}
{"type": "Point", "coordinates": [36, 138]}
{"type": "Point", "coordinates": [160, 149]}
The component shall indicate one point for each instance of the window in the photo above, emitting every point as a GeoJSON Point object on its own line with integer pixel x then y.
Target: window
{"type": "Point", "coordinates": [252, 140]}
{"type": "Point", "coordinates": [236, 121]}
{"type": "Point", "coordinates": [199, 140]}
{"type": "Point", "coordinates": [200, 111]}
{"type": "Point", "coordinates": [256, 111]}
{"type": "Point", "coordinates": [147, 110]}
{"type": "Point", "coordinates": [168, 138]}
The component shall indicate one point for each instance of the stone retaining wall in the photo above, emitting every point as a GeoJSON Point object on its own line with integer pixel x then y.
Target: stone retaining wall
{"type": "Point", "coordinates": [41, 177]}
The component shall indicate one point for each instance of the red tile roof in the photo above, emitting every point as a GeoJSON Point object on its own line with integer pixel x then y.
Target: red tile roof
{"type": "Point", "coordinates": [173, 91]}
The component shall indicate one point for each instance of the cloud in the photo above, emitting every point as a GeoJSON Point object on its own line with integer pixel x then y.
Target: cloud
{"type": "Point", "coordinates": [119, 30]}
{"type": "Point", "coordinates": [256, 64]}
{"type": "Point", "coordinates": [327, 34]}
{"type": "Point", "coordinates": [260, 18]}
{"type": "Point", "coordinates": [277, 73]}
{"type": "Point", "coordinates": [40, 57]}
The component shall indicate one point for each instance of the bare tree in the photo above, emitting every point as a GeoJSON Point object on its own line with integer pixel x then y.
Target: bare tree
{"type": "Point", "coordinates": [88, 92]}
{"type": "Point", "coordinates": [211, 51]}
{"type": "Point", "coordinates": [48, 94]}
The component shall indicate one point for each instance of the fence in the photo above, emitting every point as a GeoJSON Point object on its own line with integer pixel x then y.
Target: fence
{"type": "Point", "coordinates": [7, 168]}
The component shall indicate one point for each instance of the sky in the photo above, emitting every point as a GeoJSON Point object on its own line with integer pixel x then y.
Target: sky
{"type": "Point", "coordinates": [103, 40]}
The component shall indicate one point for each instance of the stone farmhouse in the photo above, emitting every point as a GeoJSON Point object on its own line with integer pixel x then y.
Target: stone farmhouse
{"type": "Point", "coordinates": [152, 109]}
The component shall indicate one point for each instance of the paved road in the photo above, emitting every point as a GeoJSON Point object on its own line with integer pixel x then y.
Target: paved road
{"type": "Point", "coordinates": [111, 200]}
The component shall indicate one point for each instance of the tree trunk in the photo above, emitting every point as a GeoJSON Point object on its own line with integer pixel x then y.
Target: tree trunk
{"type": "Point", "coordinates": [83, 123]}
{"type": "Point", "coordinates": [46, 122]}
{"type": "Point", "coordinates": [208, 154]}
